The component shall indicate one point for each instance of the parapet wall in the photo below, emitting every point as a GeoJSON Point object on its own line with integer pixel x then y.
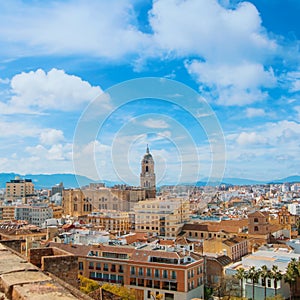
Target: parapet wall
{"type": "Point", "coordinates": [20, 279]}
{"type": "Point", "coordinates": [57, 262]}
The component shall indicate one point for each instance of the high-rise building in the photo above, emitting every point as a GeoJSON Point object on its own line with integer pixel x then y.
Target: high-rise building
{"type": "Point", "coordinates": [147, 176]}
{"type": "Point", "coordinates": [19, 188]}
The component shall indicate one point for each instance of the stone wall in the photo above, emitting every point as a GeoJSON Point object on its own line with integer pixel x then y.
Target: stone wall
{"type": "Point", "coordinates": [36, 254]}
{"type": "Point", "coordinates": [57, 262]}
{"type": "Point", "coordinates": [64, 267]}
{"type": "Point", "coordinates": [13, 244]}
{"type": "Point", "coordinates": [20, 280]}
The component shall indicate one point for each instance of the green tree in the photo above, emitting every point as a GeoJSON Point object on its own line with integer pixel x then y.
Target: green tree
{"type": "Point", "coordinates": [277, 276]}
{"type": "Point", "coordinates": [291, 275]}
{"type": "Point", "coordinates": [253, 275]}
{"type": "Point", "coordinates": [121, 291]}
{"type": "Point", "coordinates": [241, 275]}
{"type": "Point", "coordinates": [265, 274]}
{"type": "Point", "coordinates": [87, 285]}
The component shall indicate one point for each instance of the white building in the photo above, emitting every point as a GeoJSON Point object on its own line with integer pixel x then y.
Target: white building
{"type": "Point", "coordinates": [278, 257]}
{"type": "Point", "coordinates": [294, 208]}
{"type": "Point", "coordinates": [35, 215]}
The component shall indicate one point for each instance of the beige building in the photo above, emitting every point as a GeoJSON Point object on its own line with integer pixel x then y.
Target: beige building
{"type": "Point", "coordinates": [164, 217]}
{"type": "Point", "coordinates": [7, 212]}
{"type": "Point", "coordinates": [234, 247]}
{"type": "Point", "coordinates": [19, 188]}
{"type": "Point", "coordinates": [112, 221]}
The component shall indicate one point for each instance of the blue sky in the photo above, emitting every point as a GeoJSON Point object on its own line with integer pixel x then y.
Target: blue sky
{"type": "Point", "coordinates": [62, 59]}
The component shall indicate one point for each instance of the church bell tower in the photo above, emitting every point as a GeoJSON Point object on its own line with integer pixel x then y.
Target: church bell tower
{"type": "Point", "coordinates": [147, 176]}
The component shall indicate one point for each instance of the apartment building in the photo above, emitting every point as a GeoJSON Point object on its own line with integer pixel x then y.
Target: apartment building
{"type": "Point", "coordinates": [112, 221]}
{"type": "Point", "coordinates": [164, 217]}
{"type": "Point", "coordinates": [19, 189]}
{"type": "Point", "coordinates": [35, 215]}
{"type": "Point", "coordinates": [234, 247]}
{"type": "Point", "coordinates": [174, 273]}
{"type": "Point", "coordinates": [7, 212]}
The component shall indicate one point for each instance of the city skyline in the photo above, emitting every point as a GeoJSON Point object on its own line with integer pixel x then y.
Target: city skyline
{"type": "Point", "coordinates": [241, 57]}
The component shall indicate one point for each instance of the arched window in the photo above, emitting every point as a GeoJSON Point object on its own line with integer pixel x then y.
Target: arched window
{"type": "Point", "coordinates": [255, 228]}
{"type": "Point", "coordinates": [147, 169]}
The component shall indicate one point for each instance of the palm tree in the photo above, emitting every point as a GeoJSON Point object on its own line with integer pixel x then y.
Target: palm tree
{"type": "Point", "coordinates": [291, 275]}
{"type": "Point", "coordinates": [253, 275]}
{"type": "Point", "coordinates": [240, 275]}
{"type": "Point", "coordinates": [264, 274]}
{"type": "Point", "coordinates": [276, 275]}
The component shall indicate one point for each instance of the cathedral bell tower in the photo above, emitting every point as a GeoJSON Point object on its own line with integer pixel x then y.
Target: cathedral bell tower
{"type": "Point", "coordinates": [147, 176]}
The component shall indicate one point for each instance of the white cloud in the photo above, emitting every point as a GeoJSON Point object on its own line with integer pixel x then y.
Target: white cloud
{"type": "Point", "coordinates": [51, 136]}
{"type": "Point", "coordinates": [233, 84]}
{"type": "Point", "coordinates": [154, 123]}
{"type": "Point", "coordinates": [246, 138]}
{"type": "Point", "coordinates": [254, 112]}
{"type": "Point", "coordinates": [56, 152]}
{"type": "Point", "coordinates": [4, 81]}
{"type": "Point", "coordinates": [293, 78]}
{"type": "Point", "coordinates": [210, 30]}
{"type": "Point", "coordinates": [18, 129]}
{"type": "Point", "coordinates": [99, 28]}
{"type": "Point", "coordinates": [38, 91]}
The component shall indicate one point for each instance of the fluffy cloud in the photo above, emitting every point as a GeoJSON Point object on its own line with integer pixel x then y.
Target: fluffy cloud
{"type": "Point", "coordinates": [55, 152]}
{"type": "Point", "coordinates": [38, 91]}
{"type": "Point", "coordinates": [282, 134]}
{"type": "Point", "coordinates": [254, 112]}
{"type": "Point", "coordinates": [51, 136]}
{"type": "Point", "coordinates": [18, 129]}
{"type": "Point", "coordinates": [232, 84]}
{"type": "Point", "coordinates": [246, 138]}
{"type": "Point", "coordinates": [154, 123]}
{"type": "Point", "coordinates": [99, 28]}
{"type": "Point", "coordinates": [210, 30]}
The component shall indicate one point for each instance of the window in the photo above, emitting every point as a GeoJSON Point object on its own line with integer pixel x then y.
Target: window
{"type": "Point", "coordinates": [148, 272]}
{"type": "Point", "coordinates": [156, 273]}
{"type": "Point", "coordinates": [98, 266]}
{"type": "Point", "coordinates": [165, 274]}
{"type": "Point", "coordinates": [80, 265]}
{"type": "Point", "coordinates": [91, 265]}
{"type": "Point", "coordinates": [255, 228]}
{"type": "Point", "coordinates": [105, 268]}
{"type": "Point", "coordinates": [132, 270]}
{"type": "Point", "coordinates": [174, 275]}
{"type": "Point", "coordinates": [141, 271]}
{"type": "Point", "coordinates": [255, 220]}
{"type": "Point", "coordinates": [169, 296]}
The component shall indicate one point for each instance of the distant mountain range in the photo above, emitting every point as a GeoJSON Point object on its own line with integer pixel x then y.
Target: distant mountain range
{"type": "Point", "coordinates": [69, 180]}
{"type": "Point", "coordinates": [49, 180]}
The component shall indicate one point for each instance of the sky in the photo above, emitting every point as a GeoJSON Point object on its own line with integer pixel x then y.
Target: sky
{"type": "Point", "coordinates": [212, 86]}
